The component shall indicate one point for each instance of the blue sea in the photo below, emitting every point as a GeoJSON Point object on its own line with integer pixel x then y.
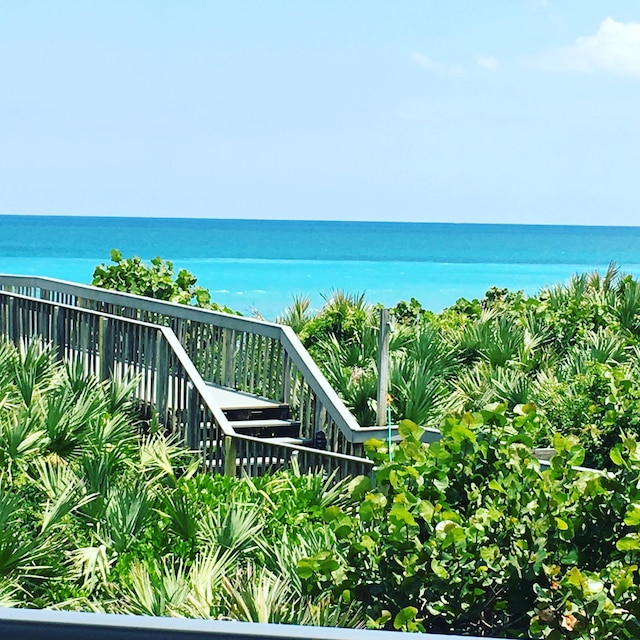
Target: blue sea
{"type": "Point", "coordinates": [258, 265]}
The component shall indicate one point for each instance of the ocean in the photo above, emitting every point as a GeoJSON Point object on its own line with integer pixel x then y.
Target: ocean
{"type": "Point", "coordinates": [259, 265]}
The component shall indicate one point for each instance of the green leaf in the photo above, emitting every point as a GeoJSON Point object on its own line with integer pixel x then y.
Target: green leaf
{"type": "Point", "coordinates": [426, 510]}
{"type": "Point", "coordinates": [409, 429]}
{"type": "Point", "coordinates": [332, 513]}
{"type": "Point", "coordinates": [628, 543]}
{"type": "Point", "coordinates": [404, 617]}
{"type": "Point", "coordinates": [632, 517]}
{"type": "Point", "coordinates": [496, 486]}
{"type": "Point", "coordinates": [366, 511]}
{"type": "Point", "coordinates": [400, 516]}
{"type": "Point", "coordinates": [439, 570]}
{"type": "Point", "coordinates": [616, 455]}
{"type": "Point", "coordinates": [306, 568]}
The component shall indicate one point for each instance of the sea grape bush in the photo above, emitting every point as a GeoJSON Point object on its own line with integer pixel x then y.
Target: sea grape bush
{"type": "Point", "coordinates": [156, 280]}
{"type": "Point", "coordinates": [471, 535]}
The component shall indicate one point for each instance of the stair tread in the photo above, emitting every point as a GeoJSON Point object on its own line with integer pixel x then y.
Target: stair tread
{"type": "Point", "coordinates": [230, 399]}
{"type": "Point", "coordinates": [268, 422]}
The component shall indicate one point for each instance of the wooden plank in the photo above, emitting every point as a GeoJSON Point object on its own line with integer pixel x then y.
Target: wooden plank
{"type": "Point", "coordinates": [383, 366]}
{"type": "Point", "coordinates": [228, 399]}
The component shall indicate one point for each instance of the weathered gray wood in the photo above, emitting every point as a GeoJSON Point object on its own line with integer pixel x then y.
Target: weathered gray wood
{"type": "Point", "coordinates": [168, 313]}
{"type": "Point", "coordinates": [106, 348]}
{"type": "Point", "coordinates": [45, 624]}
{"type": "Point", "coordinates": [230, 456]}
{"type": "Point", "coordinates": [383, 366]}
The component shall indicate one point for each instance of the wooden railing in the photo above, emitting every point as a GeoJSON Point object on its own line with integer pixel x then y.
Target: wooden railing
{"type": "Point", "coordinates": [168, 383]}
{"type": "Point", "coordinates": [76, 625]}
{"type": "Point", "coordinates": [242, 353]}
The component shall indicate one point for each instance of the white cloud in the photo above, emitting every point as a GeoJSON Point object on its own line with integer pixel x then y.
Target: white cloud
{"type": "Point", "coordinates": [427, 63]}
{"type": "Point", "coordinates": [615, 48]}
{"type": "Point", "coordinates": [423, 61]}
{"type": "Point", "coordinates": [487, 62]}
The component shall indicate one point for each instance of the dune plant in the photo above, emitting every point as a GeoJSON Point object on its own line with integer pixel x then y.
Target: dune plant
{"type": "Point", "coordinates": [566, 350]}
{"type": "Point", "coordinates": [95, 516]}
{"type": "Point", "coordinates": [155, 280]}
{"type": "Point", "coordinates": [472, 535]}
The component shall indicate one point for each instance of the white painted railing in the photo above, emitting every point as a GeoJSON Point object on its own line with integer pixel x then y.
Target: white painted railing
{"type": "Point", "coordinates": [168, 383]}
{"type": "Point", "coordinates": [72, 625]}
{"type": "Point", "coordinates": [243, 353]}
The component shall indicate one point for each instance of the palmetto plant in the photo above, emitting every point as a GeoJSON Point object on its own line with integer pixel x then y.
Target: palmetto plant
{"type": "Point", "coordinates": [156, 588]}
{"type": "Point", "coordinates": [128, 510]}
{"type": "Point", "coordinates": [35, 371]}
{"type": "Point", "coordinates": [258, 595]}
{"type": "Point", "coordinates": [93, 516]}
{"type": "Point", "coordinates": [351, 371]}
{"type": "Point", "coordinates": [297, 314]}
{"type": "Point", "coordinates": [627, 308]}
{"type": "Point", "coordinates": [603, 346]}
{"type": "Point", "coordinates": [237, 528]}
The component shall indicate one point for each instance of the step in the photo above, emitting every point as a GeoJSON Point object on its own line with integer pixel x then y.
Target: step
{"type": "Point", "coordinates": [267, 428]}
{"type": "Point", "coordinates": [298, 441]}
{"type": "Point", "coordinates": [272, 440]}
{"type": "Point", "coordinates": [241, 406]}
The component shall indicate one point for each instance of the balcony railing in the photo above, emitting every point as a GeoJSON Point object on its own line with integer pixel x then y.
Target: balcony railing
{"type": "Point", "coordinates": [70, 625]}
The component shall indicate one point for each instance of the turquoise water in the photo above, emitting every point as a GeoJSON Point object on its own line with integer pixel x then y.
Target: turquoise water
{"type": "Point", "coordinates": [259, 264]}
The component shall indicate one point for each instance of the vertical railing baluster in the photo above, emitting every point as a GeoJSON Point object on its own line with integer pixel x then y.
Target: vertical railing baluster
{"type": "Point", "coordinates": [162, 374]}
{"type": "Point", "coordinates": [106, 348]}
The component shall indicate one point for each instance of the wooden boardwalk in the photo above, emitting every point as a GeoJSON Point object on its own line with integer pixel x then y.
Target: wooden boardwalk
{"type": "Point", "coordinates": [238, 389]}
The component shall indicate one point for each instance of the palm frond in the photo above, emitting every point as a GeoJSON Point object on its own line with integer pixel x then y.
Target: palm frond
{"type": "Point", "coordinates": [239, 529]}
{"type": "Point", "coordinates": [259, 596]}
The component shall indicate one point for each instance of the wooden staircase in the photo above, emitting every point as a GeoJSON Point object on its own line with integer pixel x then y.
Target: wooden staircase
{"type": "Point", "coordinates": [256, 416]}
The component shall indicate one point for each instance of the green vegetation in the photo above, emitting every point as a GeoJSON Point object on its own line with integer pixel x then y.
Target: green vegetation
{"type": "Point", "coordinates": [467, 535]}
{"type": "Point", "coordinates": [471, 534]}
{"type": "Point", "coordinates": [573, 351]}
{"type": "Point", "coordinates": [95, 517]}
{"type": "Point", "coordinates": [156, 280]}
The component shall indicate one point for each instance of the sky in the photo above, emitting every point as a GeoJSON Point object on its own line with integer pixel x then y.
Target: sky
{"type": "Point", "coordinates": [509, 111]}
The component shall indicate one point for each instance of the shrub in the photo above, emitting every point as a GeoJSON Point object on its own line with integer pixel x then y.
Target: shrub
{"type": "Point", "coordinates": [471, 535]}
{"type": "Point", "coordinates": [156, 280]}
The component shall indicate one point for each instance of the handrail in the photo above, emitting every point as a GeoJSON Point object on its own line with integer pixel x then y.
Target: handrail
{"type": "Point", "coordinates": [231, 348]}
{"type": "Point", "coordinates": [115, 346]}
{"type": "Point", "coordinates": [45, 624]}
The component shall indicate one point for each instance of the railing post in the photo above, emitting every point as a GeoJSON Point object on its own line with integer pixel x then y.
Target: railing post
{"type": "Point", "coordinates": [162, 374]}
{"type": "Point", "coordinates": [196, 428]}
{"type": "Point", "coordinates": [286, 379]}
{"type": "Point", "coordinates": [229, 357]}
{"type": "Point", "coordinates": [383, 366]}
{"type": "Point", "coordinates": [14, 322]}
{"type": "Point", "coordinates": [317, 418]}
{"type": "Point", "coordinates": [106, 348]}
{"type": "Point", "coordinates": [230, 455]}
{"type": "Point", "coordinates": [57, 335]}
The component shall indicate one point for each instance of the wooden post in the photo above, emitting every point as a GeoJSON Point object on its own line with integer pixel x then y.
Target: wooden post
{"type": "Point", "coordinates": [383, 366]}
{"type": "Point", "coordinates": [229, 361]}
{"type": "Point", "coordinates": [230, 453]}
{"type": "Point", "coordinates": [59, 339]}
{"type": "Point", "coordinates": [107, 356]}
{"type": "Point", "coordinates": [161, 370]}
{"type": "Point", "coordinates": [285, 395]}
